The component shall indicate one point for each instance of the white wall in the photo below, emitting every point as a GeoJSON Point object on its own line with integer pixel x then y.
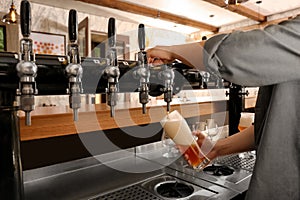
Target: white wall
{"type": "Point", "coordinates": [51, 19]}
{"type": "Point", "coordinates": [55, 20]}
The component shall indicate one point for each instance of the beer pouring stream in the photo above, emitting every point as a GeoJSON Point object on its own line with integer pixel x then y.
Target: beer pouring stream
{"type": "Point", "coordinates": [112, 72]}
{"type": "Point", "coordinates": [26, 67]}
{"type": "Point", "coordinates": [143, 72]}
{"type": "Point", "coordinates": [74, 69]}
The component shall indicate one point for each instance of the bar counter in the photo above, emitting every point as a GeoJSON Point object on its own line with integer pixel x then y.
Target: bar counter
{"type": "Point", "coordinates": [118, 173]}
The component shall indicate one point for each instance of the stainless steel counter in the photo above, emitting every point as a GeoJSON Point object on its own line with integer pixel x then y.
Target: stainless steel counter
{"type": "Point", "coordinates": [138, 169]}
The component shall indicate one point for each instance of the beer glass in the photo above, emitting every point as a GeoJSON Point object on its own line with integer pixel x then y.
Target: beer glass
{"type": "Point", "coordinates": [176, 127]}
{"type": "Point", "coordinates": [171, 151]}
{"type": "Point", "coordinates": [211, 128]}
{"type": "Point", "coordinates": [246, 120]}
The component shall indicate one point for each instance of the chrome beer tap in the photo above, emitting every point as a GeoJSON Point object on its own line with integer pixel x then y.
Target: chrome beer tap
{"type": "Point", "coordinates": [143, 72]}
{"type": "Point", "coordinates": [167, 75]}
{"type": "Point", "coordinates": [74, 69]}
{"type": "Point", "coordinates": [205, 79]}
{"type": "Point", "coordinates": [26, 67]}
{"type": "Point", "coordinates": [112, 72]}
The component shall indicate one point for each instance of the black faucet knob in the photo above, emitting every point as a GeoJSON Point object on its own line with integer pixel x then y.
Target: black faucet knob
{"type": "Point", "coordinates": [112, 32]}
{"type": "Point", "coordinates": [141, 37]}
{"type": "Point", "coordinates": [25, 18]}
{"type": "Point", "coordinates": [73, 25]}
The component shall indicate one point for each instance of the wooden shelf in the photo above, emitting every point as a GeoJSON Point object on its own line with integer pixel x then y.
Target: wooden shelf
{"type": "Point", "coordinates": [58, 121]}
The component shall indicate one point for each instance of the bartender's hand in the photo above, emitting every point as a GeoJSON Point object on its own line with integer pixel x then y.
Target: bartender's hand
{"type": "Point", "coordinates": [160, 55]}
{"type": "Point", "coordinates": [237, 143]}
{"type": "Point", "coordinates": [206, 145]}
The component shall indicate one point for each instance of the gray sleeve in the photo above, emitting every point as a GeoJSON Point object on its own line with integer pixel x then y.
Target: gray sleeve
{"type": "Point", "coordinates": [257, 57]}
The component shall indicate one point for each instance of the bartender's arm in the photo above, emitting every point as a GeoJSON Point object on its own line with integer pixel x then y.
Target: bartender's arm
{"type": "Point", "coordinates": [237, 143]}
{"type": "Point", "coordinates": [242, 58]}
{"type": "Point", "coordinates": [189, 54]}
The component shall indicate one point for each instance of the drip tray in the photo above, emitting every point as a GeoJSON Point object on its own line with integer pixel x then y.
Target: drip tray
{"type": "Point", "coordinates": [233, 172]}
{"type": "Point", "coordinates": [174, 189]}
{"type": "Point", "coordinates": [169, 187]}
{"type": "Point", "coordinates": [218, 170]}
{"type": "Point", "coordinates": [220, 174]}
{"type": "Point", "coordinates": [163, 187]}
{"type": "Point", "coordinates": [134, 192]}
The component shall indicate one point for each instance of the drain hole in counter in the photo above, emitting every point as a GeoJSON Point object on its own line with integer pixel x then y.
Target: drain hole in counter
{"type": "Point", "coordinates": [174, 189]}
{"type": "Point", "coordinates": [218, 170]}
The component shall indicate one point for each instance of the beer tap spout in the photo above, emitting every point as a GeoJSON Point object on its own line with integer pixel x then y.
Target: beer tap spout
{"type": "Point", "coordinates": [112, 72]}
{"type": "Point", "coordinates": [142, 73]}
{"type": "Point", "coordinates": [26, 67]}
{"type": "Point", "coordinates": [167, 75]}
{"type": "Point", "coordinates": [74, 69]}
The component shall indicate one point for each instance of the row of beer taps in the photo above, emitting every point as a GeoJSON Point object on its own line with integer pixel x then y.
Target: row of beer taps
{"type": "Point", "coordinates": [27, 69]}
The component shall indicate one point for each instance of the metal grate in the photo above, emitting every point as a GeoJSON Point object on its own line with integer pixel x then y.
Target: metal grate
{"type": "Point", "coordinates": [244, 161]}
{"type": "Point", "coordinates": [134, 192]}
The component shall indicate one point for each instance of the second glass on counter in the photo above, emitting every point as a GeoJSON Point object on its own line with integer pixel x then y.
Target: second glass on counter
{"type": "Point", "coordinates": [209, 128]}
{"type": "Point", "coordinates": [176, 127]}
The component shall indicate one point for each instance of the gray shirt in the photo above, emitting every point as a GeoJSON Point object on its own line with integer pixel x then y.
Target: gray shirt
{"type": "Point", "coordinates": [270, 59]}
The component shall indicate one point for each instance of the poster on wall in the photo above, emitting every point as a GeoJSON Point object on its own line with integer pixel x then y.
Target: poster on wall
{"type": "Point", "coordinates": [48, 43]}
{"type": "Point", "coordinates": [2, 39]}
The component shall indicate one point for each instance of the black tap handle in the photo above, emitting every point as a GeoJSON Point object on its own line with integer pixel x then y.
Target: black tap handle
{"type": "Point", "coordinates": [141, 37]}
{"type": "Point", "coordinates": [112, 32]}
{"type": "Point", "coordinates": [25, 18]}
{"type": "Point", "coordinates": [73, 25]}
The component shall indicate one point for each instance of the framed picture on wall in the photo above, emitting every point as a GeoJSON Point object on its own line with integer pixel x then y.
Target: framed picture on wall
{"type": "Point", "coordinates": [48, 43]}
{"type": "Point", "coordinates": [2, 38]}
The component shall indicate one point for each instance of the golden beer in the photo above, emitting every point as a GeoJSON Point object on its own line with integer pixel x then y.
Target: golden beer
{"type": "Point", "coordinates": [195, 156]}
{"type": "Point", "coordinates": [246, 120]}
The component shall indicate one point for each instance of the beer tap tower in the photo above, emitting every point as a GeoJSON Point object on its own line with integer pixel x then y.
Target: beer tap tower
{"type": "Point", "coordinates": [167, 75]}
{"type": "Point", "coordinates": [235, 106]}
{"type": "Point", "coordinates": [112, 72]}
{"type": "Point", "coordinates": [26, 68]}
{"type": "Point", "coordinates": [143, 72]}
{"type": "Point", "coordinates": [11, 176]}
{"type": "Point", "coordinates": [74, 69]}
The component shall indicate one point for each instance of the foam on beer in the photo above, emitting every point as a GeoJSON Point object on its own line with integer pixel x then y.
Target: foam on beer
{"type": "Point", "coordinates": [177, 129]}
